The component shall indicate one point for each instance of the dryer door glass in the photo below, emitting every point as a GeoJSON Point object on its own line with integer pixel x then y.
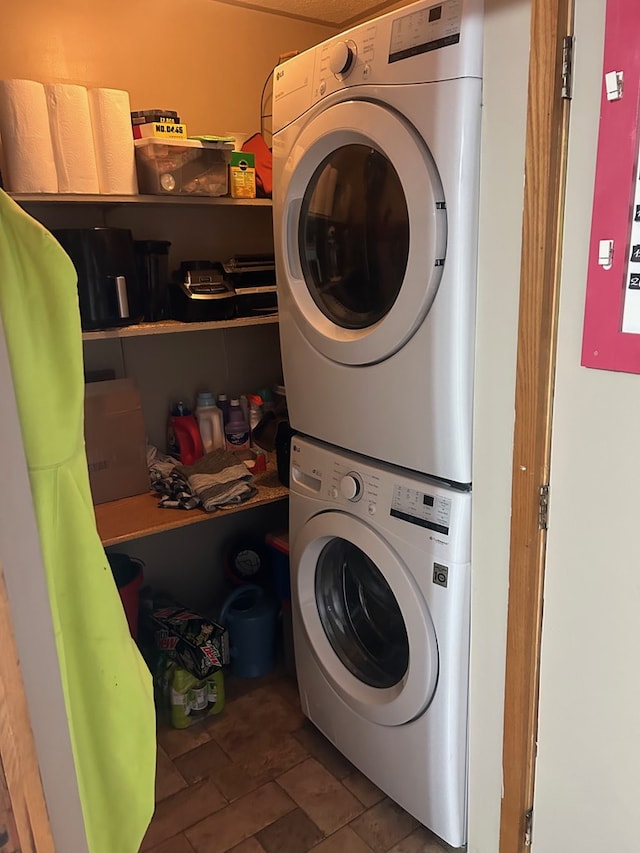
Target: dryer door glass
{"type": "Point", "coordinates": [360, 615]}
{"type": "Point", "coordinates": [354, 236]}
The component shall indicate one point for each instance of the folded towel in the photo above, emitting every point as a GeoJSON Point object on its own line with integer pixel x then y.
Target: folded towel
{"type": "Point", "coordinates": [219, 479]}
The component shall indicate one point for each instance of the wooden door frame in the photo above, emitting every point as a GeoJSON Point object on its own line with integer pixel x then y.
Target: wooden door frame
{"type": "Point", "coordinates": [23, 812]}
{"type": "Point", "coordinates": [543, 217]}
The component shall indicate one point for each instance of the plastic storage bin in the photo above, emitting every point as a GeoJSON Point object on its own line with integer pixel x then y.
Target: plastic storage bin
{"type": "Point", "coordinates": [187, 167]}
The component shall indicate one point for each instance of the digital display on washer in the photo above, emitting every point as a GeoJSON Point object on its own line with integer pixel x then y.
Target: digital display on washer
{"type": "Point", "coordinates": [421, 508]}
{"type": "Point", "coordinates": [429, 29]}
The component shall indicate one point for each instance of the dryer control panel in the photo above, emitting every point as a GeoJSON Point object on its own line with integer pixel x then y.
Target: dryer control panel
{"type": "Point", "coordinates": [424, 42]}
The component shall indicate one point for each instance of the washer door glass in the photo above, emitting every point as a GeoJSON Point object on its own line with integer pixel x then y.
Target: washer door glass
{"type": "Point", "coordinates": [354, 236]}
{"type": "Point", "coordinates": [364, 617]}
{"type": "Point", "coordinates": [360, 615]}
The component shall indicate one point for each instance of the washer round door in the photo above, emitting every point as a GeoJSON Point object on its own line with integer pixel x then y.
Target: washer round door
{"type": "Point", "coordinates": [364, 234]}
{"type": "Point", "coordinates": [366, 621]}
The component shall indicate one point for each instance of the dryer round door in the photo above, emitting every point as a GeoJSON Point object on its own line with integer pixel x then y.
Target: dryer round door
{"type": "Point", "coordinates": [365, 231]}
{"type": "Point", "coordinates": [367, 623]}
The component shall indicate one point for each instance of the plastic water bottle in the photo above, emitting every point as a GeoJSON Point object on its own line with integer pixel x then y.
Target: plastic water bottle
{"type": "Point", "coordinates": [210, 422]}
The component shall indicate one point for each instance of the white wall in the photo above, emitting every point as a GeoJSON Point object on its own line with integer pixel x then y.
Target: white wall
{"type": "Point", "coordinates": [588, 774]}
{"type": "Point", "coordinates": [506, 59]}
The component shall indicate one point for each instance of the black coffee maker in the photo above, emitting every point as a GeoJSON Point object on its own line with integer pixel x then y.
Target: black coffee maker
{"type": "Point", "coordinates": [152, 257]}
{"type": "Point", "coordinates": [108, 285]}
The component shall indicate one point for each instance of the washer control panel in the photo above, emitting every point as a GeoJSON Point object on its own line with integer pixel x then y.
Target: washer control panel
{"type": "Point", "coordinates": [418, 511]}
{"type": "Point", "coordinates": [424, 508]}
{"type": "Point", "coordinates": [342, 55]}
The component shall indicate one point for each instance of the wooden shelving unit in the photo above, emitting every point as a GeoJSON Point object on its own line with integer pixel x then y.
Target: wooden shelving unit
{"type": "Point", "coordinates": [139, 516]}
{"type": "Point", "coordinates": [103, 200]}
{"type": "Point", "coordinates": [175, 326]}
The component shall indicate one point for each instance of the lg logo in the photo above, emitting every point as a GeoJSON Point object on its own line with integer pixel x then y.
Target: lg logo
{"type": "Point", "coordinates": [279, 75]}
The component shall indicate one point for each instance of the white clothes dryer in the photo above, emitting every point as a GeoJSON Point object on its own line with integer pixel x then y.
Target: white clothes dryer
{"type": "Point", "coordinates": [380, 571]}
{"type": "Point", "coordinates": [376, 160]}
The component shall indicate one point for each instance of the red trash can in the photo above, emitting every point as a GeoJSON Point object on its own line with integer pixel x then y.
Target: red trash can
{"type": "Point", "coordinates": [128, 575]}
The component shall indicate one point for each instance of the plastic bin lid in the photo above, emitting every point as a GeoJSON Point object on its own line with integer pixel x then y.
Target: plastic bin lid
{"type": "Point", "coordinates": [183, 143]}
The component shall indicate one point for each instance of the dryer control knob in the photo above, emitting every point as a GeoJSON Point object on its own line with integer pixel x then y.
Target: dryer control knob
{"type": "Point", "coordinates": [351, 487]}
{"type": "Point", "coordinates": [341, 57]}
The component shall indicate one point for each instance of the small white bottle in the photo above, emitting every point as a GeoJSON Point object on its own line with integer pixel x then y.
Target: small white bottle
{"type": "Point", "coordinates": [210, 422]}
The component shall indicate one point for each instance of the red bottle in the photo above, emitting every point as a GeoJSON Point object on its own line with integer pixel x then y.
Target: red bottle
{"type": "Point", "coordinates": [183, 435]}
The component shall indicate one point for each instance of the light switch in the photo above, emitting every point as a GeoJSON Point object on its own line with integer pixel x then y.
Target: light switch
{"type": "Point", "coordinates": [605, 254]}
{"type": "Point", "coordinates": [613, 83]}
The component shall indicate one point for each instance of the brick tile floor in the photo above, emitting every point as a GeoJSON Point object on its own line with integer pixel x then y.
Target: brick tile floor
{"type": "Point", "coordinates": [259, 778]}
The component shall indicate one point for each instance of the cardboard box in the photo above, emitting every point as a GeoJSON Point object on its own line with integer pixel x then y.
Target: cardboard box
{"type": "Point", "coordinates": [115, 440]}
{"type": "Point", "coordinates": [194, 642]}
{"type": "Point", "coordinates": [242, 174]}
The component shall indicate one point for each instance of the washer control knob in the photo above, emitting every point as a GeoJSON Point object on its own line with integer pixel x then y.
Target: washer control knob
{"type": "Point", "coordinates": [341, 57]}
{"type": "Point", "coordinates": [351, 487]}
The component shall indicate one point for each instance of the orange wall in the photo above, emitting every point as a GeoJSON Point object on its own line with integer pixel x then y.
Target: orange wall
{"type": "Point", "coordinates": [205, 59]}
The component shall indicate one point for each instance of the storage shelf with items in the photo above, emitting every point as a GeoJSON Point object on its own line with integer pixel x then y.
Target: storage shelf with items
{"type": "Point", "coordinates": [48, 199]}
{"type": "Point", "coordinates": [172, 327]}
{"type": "Point", "coordinates": [171, 360]}
{"type": "Point", "coordinates": [139, 516]}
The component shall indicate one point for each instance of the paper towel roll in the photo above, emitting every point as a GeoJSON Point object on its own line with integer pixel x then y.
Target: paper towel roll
{"type": "Point", "coordinates": [113, 140]}
{"type": "Point", "coordinates": [26, 138]}
{"type": "Point", "coordinates": [72, 138]}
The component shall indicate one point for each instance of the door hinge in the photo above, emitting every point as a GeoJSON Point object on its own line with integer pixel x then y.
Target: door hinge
{"type": "Point", "coordinates": [543, 507]}
{"type": "Point", "coordinates": [567, 68]}
{"type": "Point", "coordinates": [528, 827]}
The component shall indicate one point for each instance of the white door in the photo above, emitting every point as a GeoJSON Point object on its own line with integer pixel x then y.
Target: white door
{"type": "Point", "coordinates": [365, 231]}
{"type": "Point", "coordinates": [366, 621]}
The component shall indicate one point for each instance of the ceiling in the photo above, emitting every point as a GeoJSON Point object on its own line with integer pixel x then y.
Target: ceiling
{"type": "Point", "coordinates": [336, 13]}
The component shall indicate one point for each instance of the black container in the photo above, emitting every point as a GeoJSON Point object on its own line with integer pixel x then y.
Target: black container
{"type": "Point", "coordinates": [254, 279]}
{"type": "Point", "coordinates": [152, 258]}
{"type": "Point", "coordinates": [108, 286]}
{"type": "Point", "coordinates": [201, 293]}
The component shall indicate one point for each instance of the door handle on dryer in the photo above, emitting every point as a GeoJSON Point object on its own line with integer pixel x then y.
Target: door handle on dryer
{"type": "Point", "coordinates": [292, 258]}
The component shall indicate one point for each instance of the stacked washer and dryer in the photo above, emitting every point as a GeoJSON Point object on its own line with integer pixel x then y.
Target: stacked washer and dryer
{"type": "Point", "coordinates": [376, 171]}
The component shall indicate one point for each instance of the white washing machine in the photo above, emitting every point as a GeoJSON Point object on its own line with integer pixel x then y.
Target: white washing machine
{"type": "Point", "coordinates": [380, 572]}
{"type": "Point", "coordinates": [376, 160]}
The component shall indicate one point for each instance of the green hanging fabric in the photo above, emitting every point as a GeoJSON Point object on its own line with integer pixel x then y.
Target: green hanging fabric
{"type": "Point", "coordinates": [107, 687]}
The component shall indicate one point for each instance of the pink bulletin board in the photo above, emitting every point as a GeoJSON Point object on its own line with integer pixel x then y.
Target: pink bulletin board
{"type": "Point", "coordinates": [611, 336]}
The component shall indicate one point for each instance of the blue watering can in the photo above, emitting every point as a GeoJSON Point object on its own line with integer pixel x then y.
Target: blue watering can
{"type": "Point", "coordinates": [250, 616]}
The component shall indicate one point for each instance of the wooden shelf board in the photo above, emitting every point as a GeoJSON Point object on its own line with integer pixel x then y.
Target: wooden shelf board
{"type": "Point", "coordinates": [73, 198]}
{"type": "Point", "coordinates": [139, 516]}
{"type": "Point", "coordinates": [174, 326]}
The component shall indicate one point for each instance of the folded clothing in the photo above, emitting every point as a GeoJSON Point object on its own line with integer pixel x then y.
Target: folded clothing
{"type": "Point", "coordinates": [216, 480]}
{"type": "Point", "coordinates": [169, 481]}
{"type": "Point", "coordinates": [219, 479]}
